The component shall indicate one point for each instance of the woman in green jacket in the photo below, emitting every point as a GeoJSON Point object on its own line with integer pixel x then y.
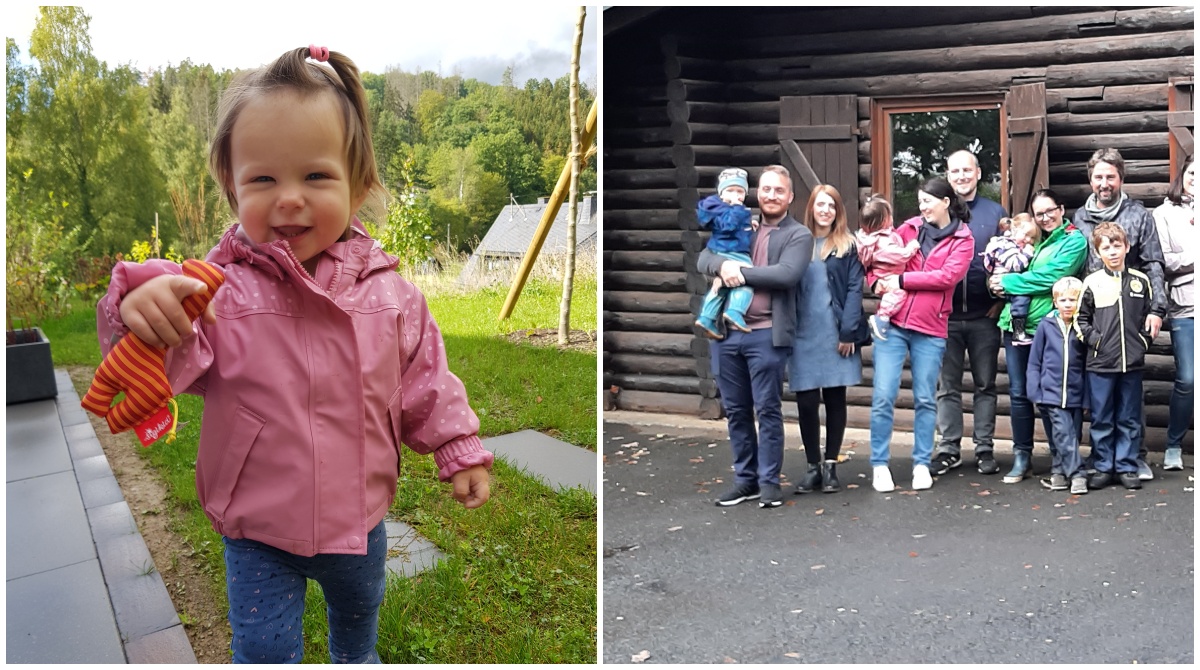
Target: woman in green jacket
{"type": "Point", "coordinates": [1061, 253]}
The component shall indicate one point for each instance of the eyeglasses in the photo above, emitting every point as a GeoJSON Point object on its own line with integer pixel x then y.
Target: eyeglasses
{"type": "Point", "coordinates": [1046, 215]}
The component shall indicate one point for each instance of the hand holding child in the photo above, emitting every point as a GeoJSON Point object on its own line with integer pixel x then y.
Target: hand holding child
{"type": "Point", "coordinates": [154, 311]}
{"type": "Point", "coordinates": [471, 486]}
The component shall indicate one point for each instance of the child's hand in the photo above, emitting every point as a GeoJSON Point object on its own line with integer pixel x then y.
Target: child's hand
{"type": "Point", "coordinates": [471, 486]}
{"type": "Point", "coordinates": [154, 310]}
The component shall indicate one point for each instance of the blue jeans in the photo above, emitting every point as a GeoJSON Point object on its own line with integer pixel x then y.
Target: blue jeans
{"type": "Point", "coordinates": [750, 376]}
{"type": "Point", "coordinates": [266, 589]}
{"type": "Point", "coordinates": [1183, 343]}
{"type": "Point", "coordinates": [1021, 417]}
{"type": "Point", "coordinates": [978, 340]}
{"type": "Point", "coordinates": [926, 352]}
{"type": "Point", "coordinates": [1116, 402]}
{"type": "Point", "coordinates": [1065, 424]}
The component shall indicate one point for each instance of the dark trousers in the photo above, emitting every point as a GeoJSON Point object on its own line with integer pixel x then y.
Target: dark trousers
{"type": "Point", "coordinates": [976, 340]}
{"type": "Point", "coordinates": [808, 406]}
{"type": "Point", "coordinates": [1065, 424]}
{"type": "Point", "coordinates": [750, 376]}
{"type": "Point", "coordinates": [1116, 402]}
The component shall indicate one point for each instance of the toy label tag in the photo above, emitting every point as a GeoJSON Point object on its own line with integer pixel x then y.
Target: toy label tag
{"type": "Point", "coordinates": [155, 427]}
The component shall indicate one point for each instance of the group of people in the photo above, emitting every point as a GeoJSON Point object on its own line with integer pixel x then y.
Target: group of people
{"type": "Point", "coordinates": [1074, 304]}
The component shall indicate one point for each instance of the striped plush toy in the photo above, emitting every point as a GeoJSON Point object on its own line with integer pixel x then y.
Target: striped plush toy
{"type": "Point", "coordinates": [138, 369]}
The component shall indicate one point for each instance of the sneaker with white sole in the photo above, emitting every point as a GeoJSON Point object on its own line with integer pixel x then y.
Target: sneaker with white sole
{"type": "Point", "coordinates": [739, 493]}
{"type": "Point", "coordinates": [1079, 486]}
{"type": "Point", "coordinates": [921, 478]}
{"type": "Point", "coordinates": [945, 462]}
{"type": "Point", "coordinates": [1144, 472]}
{"type": "Point", "coordinates": [1173, 458]}
{"type": "Point", "coordinates": [879, 327]}
{"type": "Point", "coordinates": [882, 479]}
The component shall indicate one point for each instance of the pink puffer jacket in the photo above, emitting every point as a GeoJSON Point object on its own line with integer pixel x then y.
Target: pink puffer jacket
{"type": "Point", "coordinates": [310, 388]}
{"type": "Point", "coordinates": [929, 282]}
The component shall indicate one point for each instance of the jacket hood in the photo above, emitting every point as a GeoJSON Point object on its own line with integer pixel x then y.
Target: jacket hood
{"type": "Point", "coordinates": [360, 255]}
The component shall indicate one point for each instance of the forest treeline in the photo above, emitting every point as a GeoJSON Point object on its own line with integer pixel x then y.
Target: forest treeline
{"type": "Point", "coordinates": [99, 150]}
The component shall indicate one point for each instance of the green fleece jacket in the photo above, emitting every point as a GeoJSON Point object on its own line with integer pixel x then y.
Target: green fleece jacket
{"type": "Point", "coordinates": [1060, 255]}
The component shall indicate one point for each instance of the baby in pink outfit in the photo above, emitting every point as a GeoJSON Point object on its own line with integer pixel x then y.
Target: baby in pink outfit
{"type": "Point", "coordinates": [881, 249]}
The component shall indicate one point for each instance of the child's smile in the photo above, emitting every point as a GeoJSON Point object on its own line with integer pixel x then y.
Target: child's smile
{"type": "Point", "coordinates": [290, 176]}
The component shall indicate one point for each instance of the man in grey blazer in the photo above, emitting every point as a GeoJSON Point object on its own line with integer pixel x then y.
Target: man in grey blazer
{"type": "Point", "coordinates": [750, 364]}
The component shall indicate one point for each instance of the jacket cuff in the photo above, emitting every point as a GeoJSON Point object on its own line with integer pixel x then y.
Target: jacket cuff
{"type": "Point", "coordinates": [463, 453]}
{"type": "Point", "coordinates": [127, 276]}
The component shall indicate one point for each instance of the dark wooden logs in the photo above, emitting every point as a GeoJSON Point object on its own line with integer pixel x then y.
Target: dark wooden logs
{"type": "Point", "coordinates": [652, 364]}
{"type": "Point", "coordinates": [645, 281]}
{"type": "Point", "coordinates": [649, 322]}
{"type": "Point", "coordinates": [622, 137]}
{"type": "Point", "coordinates": [663, 383]}
{"type": "Point", "coordinates": [637, 157]}
{"type": "Point", "coordinates": [647, 301]}
{"type": "Point", "coordinates": [646, 198]}
{"type": "Point", "coordinates": [1075, 172]}
{"type": "Point", "coordinates": [649, 343]}
{"type": "Point", "coordinates": [698, 91]}
{"type": "Point", "coordinates": [643, 240]}
{"type": "Point", "coordinates": [645, 261]}
{"type": "Point", "coordinates": [641, 219]}
{"type": "Point", "coordinates": [1106, 98]}
{"type": "Point", "coordinates": [1132, 145]}
{"type": "Point", "coordinates": [669, 403]}
{"type": "Point", "coordinates": [1119, 122]}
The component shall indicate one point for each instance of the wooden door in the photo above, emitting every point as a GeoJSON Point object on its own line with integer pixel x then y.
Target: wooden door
{"type": "Point", "coordinates": [818, 138]}
{"type": "Point", "coordinates": [1028, 164]}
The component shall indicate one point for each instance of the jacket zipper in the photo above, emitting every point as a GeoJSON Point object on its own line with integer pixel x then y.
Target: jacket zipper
{"type": "Point", "coordinates": [1121, 315]}
{"type": "Point", "coordinates": [1066, 331]}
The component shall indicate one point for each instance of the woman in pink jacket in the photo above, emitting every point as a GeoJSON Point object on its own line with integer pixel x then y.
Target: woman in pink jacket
{"type": "Point", "coordinates": [316, 361]}
{"type": "Point", "coordinates": [918, 328]}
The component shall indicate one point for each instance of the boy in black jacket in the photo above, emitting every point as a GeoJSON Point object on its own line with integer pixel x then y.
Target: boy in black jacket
{"type": "Point", "coordinates": [1112, 312]}
{"type": "Point", "coordinates": [1054, 382]}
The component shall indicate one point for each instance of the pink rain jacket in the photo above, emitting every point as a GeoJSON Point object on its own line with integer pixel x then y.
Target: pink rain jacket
{"type": "Point", "coordinates": [310, 387]}
{"type": "Point", "coordinates": [929, 282]}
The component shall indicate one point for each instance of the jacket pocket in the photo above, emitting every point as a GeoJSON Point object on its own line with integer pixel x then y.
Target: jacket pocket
{"type": "Point", "coordinates": [242, 435]}
{"type": "Point", "coordinates": [395, 414]}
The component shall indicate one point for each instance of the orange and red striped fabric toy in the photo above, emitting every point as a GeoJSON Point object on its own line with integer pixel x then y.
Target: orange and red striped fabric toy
{"type": "Point", "coordinates": [139, 369]}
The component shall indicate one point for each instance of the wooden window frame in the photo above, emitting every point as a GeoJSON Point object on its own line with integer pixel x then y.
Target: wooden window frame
{"type": "Point", "coordinates": [881, 131]}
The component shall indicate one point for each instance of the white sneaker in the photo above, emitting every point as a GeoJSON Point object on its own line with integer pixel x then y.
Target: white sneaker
{"type": "Point", "coordinates": [882, 481]}
{"type": "Point", "coordinates": [921, 478]}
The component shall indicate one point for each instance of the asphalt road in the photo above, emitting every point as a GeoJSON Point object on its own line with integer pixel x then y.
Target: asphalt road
{"type": "Point", "coordinates": [971, 571]}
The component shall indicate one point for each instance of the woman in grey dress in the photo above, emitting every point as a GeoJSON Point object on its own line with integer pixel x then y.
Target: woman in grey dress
{"type": "Point", "coordinates": [829, 328]}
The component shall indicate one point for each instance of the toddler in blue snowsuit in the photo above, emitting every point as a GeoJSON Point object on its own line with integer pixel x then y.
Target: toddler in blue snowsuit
{"type": "Point", "coordinates": [729, 220]}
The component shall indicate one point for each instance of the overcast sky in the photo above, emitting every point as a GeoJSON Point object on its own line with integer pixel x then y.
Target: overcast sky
{"type": "Point", "coordinates": [477, 40]}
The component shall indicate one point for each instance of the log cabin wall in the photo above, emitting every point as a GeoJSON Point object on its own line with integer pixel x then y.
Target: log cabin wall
{"type": "Point", "coordinates": [690, 91]}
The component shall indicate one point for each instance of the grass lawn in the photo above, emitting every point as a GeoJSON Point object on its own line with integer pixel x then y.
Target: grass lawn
{"type": "Point", "coordinates": [520, 582]}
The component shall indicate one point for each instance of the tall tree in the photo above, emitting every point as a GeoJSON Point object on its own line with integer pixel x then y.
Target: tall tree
{"type": "Point", "coordinates": [86, 129]}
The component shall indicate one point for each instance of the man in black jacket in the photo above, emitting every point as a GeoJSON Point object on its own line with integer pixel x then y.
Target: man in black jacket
{"type": "Point", "coordinates": [1106, 174]}
{"type": "Point", "coordinates": [749, 365]}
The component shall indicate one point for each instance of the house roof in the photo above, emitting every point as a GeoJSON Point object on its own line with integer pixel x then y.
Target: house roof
{"type": "Point", "coordinates": [514, 226]}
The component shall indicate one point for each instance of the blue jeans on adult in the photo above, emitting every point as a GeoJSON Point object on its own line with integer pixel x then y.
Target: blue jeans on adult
{"type": "Point", "coordinates": [266, 589]}
{"type": "Point", "coordinates": [1116, 402]}
{"type": "Point", "coordinates": [1021, 417]}
{"type": "Point", "coordinates": [1183, 343]}
{"type": "Point", "coordinates": [926, 356]}
{"type": "Point", "coordinates": [750, 376]}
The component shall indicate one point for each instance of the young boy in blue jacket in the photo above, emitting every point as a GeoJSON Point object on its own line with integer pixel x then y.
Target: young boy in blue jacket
{"type": "Point", "coordinates": [1112, 310]}
{"type": "Point", "coordinates": [729, 220]}
{"type": "Point", "coordinates": [1054, 382]}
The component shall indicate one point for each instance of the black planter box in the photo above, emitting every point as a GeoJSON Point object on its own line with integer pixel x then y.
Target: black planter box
{"type": "Point", "coordinates": [30, 368]}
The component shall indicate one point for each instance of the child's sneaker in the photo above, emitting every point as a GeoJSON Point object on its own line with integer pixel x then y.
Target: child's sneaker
{"type": "Point", "coordinates": [1022, 338]}
{"type": "Point", "coordinates": [1079, 486]}
{"type": "Point", "coordinates": [1057, 482]}
{"type": "Point", "coordinates": [879, 327]}
{"type": "Point", "coordinates": [737, 321]}
{"type": "Point", "coordinates": [710, 328]}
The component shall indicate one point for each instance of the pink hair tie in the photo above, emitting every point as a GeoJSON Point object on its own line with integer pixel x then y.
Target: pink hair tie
{"type": "Point", "coordinates": [318, 53]}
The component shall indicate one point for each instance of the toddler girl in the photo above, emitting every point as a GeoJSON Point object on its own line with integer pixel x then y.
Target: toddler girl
{"type": "Point", "coordinates": [731, 232]}
{"type": "Point", "coordinates": [315, 358]}
{"type": "Point", "coordinates": [882, 251]}
{"type": "Point", "coordinates": [1012, 251]}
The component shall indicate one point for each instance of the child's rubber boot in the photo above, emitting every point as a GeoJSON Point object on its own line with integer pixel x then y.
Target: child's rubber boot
{"type": "Point", "coordinates": [736, 321]}
{"type": "Point", "coordinates": [710, 328]}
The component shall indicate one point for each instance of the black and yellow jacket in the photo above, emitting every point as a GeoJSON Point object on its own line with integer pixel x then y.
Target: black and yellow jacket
{"type": "Point", "coordinates": [1112, 317]}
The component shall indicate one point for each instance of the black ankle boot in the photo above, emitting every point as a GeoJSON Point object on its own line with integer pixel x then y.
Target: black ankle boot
{"type": "Point", "coordinates": [811, 481]}
{"type": "Point", "coordinates": [829, 477]}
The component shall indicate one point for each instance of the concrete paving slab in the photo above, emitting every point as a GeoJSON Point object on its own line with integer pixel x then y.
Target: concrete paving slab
{"type": "Point", "coordinates": [559, 464]}
{"type": "Point", "coordinates": [142, 605]}
{"type": "Point", "coordinates": [98, 492]}
{"type": "Point", "coordinates": [95, 467]}
{"type": "Point", "coordinates": [34, 441]}
{"type": "Point", "coordinates": [61, 616]}
{"type": "Point", "coordinates": [124, 558]}
{"type": "Point", "coordinates": [408, 552]}
{"type": "Point", "coordinates": [85, 448]}
{"type": "Point", "coordinates": [72, 417]}
{"type": "Point", "coordinates": [47, 525]}
{"type": "Point", "coordinates": [80, 431]}
{"type": "Point", "coordinates": [165, 646]}
{"type": "Point", "coordinates": [111, 521]}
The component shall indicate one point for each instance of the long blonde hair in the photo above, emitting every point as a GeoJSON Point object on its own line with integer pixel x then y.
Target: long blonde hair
{"type": "Point", "coordinates": [839, 241]}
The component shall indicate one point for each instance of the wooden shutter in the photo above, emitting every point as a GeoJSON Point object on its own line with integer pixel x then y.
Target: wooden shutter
{"type": "Point", "coordinates": [1028, 165]}
{"type": "Point", "coordinates": [1180, 119]}
{"type": "Point", "coordinates": [818, 136]}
